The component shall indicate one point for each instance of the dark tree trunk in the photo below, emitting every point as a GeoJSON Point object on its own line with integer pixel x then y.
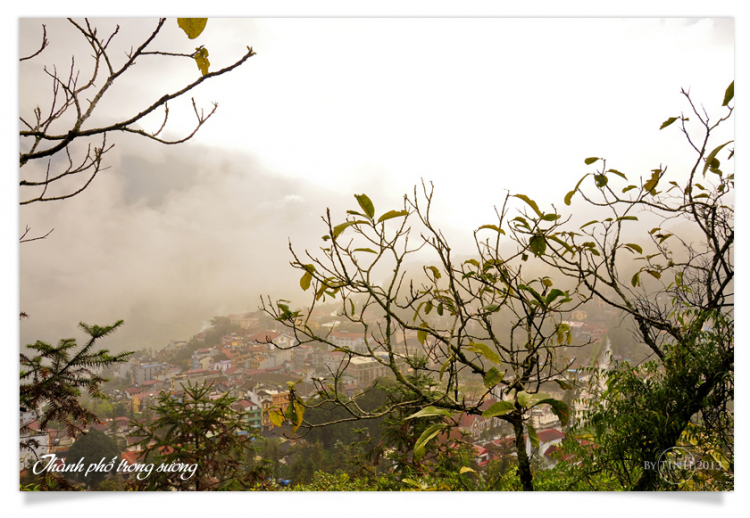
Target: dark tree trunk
{"type": "Point", "coordinates": [524, 465]}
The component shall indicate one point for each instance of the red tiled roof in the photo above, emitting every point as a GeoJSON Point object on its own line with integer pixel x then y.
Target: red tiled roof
{"type": "Point", "coordinates": [550, 434]}
{"type": "Point", "coordinates": [479, 450]}
{"type": "Point", "coordinates": [131, 457]}
{"type": "Point", "coordinates": [466, 420]}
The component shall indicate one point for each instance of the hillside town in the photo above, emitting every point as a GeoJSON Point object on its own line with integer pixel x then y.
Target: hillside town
{"type": "Point", "coordinates": [255, 362]}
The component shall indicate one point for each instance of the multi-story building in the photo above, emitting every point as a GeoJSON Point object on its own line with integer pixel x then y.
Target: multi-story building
{"type": "Point", "coordinates": [366, 370]}
{"type": "Point", "coordinates": [251, 413]}
{"type": "Point", "coordinates": [353, 341]}
{"type": "Point", "coordinates": [146, 372]}
{"type": "Point", "coordinates": [272, 399]}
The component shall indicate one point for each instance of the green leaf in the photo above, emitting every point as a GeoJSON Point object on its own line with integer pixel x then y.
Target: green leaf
{"type": "Point", "coordinates": [366, 205]}
{"type": "Point", "coordinates": [321, 290]}
{"type": "Point", "coordinates": [591, 160]}
{"type": "Point", "coordinates": [668, 122]}
{"type": "Point", "coordinates": [559, 408]}
{"type": "Point", "coordinates": [370, 250]}
{"type": "Point", "coordinates": [422, 336]}
{"type": "Point", "coordinates": [729, 94]}
{"type": "Point", "coordinates": [636, 279]}
{"type": "Point", "coordinates": [627, 218]}
{"type": "Point", "coordinates": [491, 308]}
{"type": "Point", "coordinates": [472, 261]}
{"type": "Point", "coordinates": [712, 155]}
{"type": "Point", "coordinates": [551, 217]}
{"type": "Point", "coordinates": [618, 173]}
{"type": "Point", "coordinates": [467, 469]}
{"type": "Point", "coordinates": [653, 182]}
{"type": "Point", "coordinates": [300, 413]}
{"type": "Point", "coordinates": [530, 202]}
{"type": "Point", "coordinates": [499, 408]}
{"type": "Point", "coordinates": [393, 214]}
{"type": "Point", "coordinates": [492, 227]}
{"type": "Point", "coordinates": [201, 59]}
{"type": "Point", "coordinates": [663, 237]}
{"type": "Point", "coordinates": [338, 229]}
{"type": "Point", "coordinates": [533, 292]}
{"type": "Point", "coordinates": [563, 384]}
{"type": "Point", "coordinates": [537, 245]}
{"type": "Point", "coordinates": [716, 454]}
{"type": "Point", "coordinates": [533, 437]}
{"type": "Point", "coordinates": [522, 221]}
{"type": "Point", "coordinates": [523, 398]}
{"type": "Point", "coordinates": [485, 351]}
{"type": "Point", "coordinates": [305, 281]}
{"type": "Point", "coordinates": [569, 196]}
{"type": "Point", "coordinates": [552, 295]}
{"type": "Point", "coordinates": [561, 242]}
{"type": "Point", "coordinates": [276, 417]}
{"type": "Point", "coordinates": [445, 366]}
{"type": "Point", "coordinates": [628, 188]}
{"type": "Point", "coordinates": [193, 27]}
{"type": "Point", "coordinates": [435, 271]}
{"type": "Point", "coordinates": [634, 247]}
{"type": "Point", "coordinates": [589, 223]}
{"type": "Point", "coordinates": [493, 378]}
{"type": "Point", "coordinates": [431, 411]}
{"type": "Point", "coordinates": [426, 437]}
{"type": "Point", "coordinates": [530, 400]}
{"type": "Point", "coordinates": [601, 180]}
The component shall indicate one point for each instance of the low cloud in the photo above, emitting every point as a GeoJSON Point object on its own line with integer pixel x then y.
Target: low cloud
{"type": "Point", "coordinates": [165, 242]}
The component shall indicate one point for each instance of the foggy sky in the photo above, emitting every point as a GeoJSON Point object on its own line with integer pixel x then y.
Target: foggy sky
{"type": "Point", "coordinates": [170, 236]}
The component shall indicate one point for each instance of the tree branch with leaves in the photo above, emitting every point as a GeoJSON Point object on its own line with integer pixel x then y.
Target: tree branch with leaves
{"type": "Point", "coordinates": [679, 292]}
{"type": "Point", "coordinates": [480, 319]}
{"type": "Point", "coordinates": [74, 101]}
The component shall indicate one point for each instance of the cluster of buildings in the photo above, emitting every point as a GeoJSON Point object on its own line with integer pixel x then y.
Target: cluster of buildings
{"type": "Point", "coordinates": [257, 367]}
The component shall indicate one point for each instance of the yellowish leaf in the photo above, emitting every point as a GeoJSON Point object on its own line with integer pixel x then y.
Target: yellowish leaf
{"type": "Point", "coordinates": [201, 59]}
{"type": "Point", "coordinates": [193, 27]}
